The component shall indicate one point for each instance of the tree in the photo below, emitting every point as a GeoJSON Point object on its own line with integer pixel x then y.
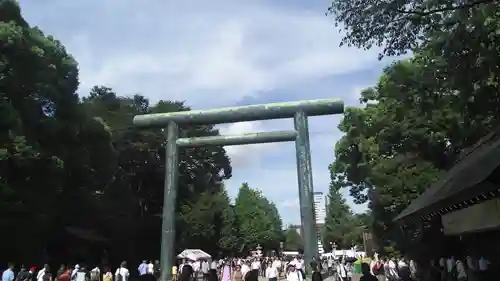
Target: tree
{"type": "Point", "coordinates": [402, 25]}
{"type": "Point", "coordinates": [258, 219]}
{"type": "Point", "coordinates": [293, 240]}
{"type": "Point", "coordinates": [228, 240]}
{"type": "Point", "coordinates": [394, 148]}
{"type": "Point", "coordinates": [342, 227]}
{"type": "Point", "coordinates": [45, 150]}
{"type": "Point", "coordinates": [58, 152]}
{"type": "Point", "coordinates": [450, 40]}
{"type": "Point", "coordinates": [89, 180]}
{"type": "Point", "coordinates": [141, 171]}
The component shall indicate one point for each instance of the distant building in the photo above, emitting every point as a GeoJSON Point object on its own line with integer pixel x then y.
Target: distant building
{"type": "Point", "coordinates": [319, 216]}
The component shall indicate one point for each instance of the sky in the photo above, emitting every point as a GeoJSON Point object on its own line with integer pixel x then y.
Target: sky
{"type": "Point", "coordinates": [219, 53]}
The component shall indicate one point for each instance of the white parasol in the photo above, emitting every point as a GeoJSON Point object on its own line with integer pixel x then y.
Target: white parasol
{"type": "Point", "coordinates": [193, 254]}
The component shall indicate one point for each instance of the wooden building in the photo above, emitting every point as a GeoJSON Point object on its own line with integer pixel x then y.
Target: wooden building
{"type": "Point", "coordinates": [460, 214]}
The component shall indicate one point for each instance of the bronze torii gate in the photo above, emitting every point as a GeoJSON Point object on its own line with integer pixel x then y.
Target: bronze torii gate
{"type": "Point", "coordinates": [298, 110]}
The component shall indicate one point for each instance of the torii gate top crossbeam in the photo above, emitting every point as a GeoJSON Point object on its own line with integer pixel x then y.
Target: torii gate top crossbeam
{"type": "Point", "coordinates": [242, 113]}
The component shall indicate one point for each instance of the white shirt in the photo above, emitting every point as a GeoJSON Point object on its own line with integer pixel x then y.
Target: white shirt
{"type": "Point", "coordinates": [299, 264]}
{"type": "Point", "coordinates": [413, 266]}
{"type": "Point", "coordinates": [151, 268]}
{"type": "Point", "coordinates": [342, 270]}
{"type": "Point", "coordinates": [80, 276]}
{"type": "Point", "coordinates": [255, 265]}
{"type": "Point", "coordinates": [95, 271]}
{"type": "Point", "coordinates": [271, 272]}
{"type": "Point", "coordinates": [40, 274]}
{"type": "Point", "coordinates": [470, 263]}
{"type": "Point", "coordinates": [294, 276]}
{"type": "Point", "coordinates": [213, 265]}
{"type": "Point", "coordinates": [460, 270]}
{"type": "Point", "coordinates": [244, 269]}
{"type": "Point", "coordinates": [393, 272]}
{"type": "Point", "coordinates": [483, 264]}
{"type": "Point", "coordinates": [196, 266]}
{"type": "Point", "coordinates": [204, 267]}
{"type": "Point", "coordinates": [123, 272]}
{"type": "Point", "coordinates": [449, 264]}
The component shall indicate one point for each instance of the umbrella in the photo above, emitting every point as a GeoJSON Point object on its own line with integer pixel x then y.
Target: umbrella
{"type": "Point", "coordinates": [193, 254]}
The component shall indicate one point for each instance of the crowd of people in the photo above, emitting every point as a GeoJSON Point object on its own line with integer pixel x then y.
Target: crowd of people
{"type": "Point", "coordinates": [270, 268]}
{"type": "Point", "coordinates": [241, 269]}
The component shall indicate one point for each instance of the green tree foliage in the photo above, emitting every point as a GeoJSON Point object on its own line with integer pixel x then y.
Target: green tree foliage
{"type": "Point", "coordinates": [49, 148]}
{"type": "Point", "coordinates": [258, 219]}
{"type": "Point", "coordinates": [423, 111]}
{"type": "Point", "coordinates": [403, 25]}
{"type": "Point", "coordinates": [342, 226]}
{"type": "Point", "coordinates": [229, 239]}
{"type": "Point", "coordinates": [81, 177]}
{"type": "Point", "coordinates": [292, 240]}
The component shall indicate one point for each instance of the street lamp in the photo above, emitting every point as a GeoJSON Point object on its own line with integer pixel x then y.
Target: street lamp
{"type": "Point", "coordinates": [333, 246]}
{"type": "Point", "coordinates": [259, 250]}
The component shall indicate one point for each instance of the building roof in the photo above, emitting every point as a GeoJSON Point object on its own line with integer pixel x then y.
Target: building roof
{"type": "Point", "coordinates": [474, 165]}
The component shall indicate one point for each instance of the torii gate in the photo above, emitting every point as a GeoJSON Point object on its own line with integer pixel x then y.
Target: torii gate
{"type": "Point", "coordinates": [299, 111]}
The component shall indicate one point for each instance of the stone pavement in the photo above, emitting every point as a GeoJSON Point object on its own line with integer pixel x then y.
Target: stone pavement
{"type": "Point", "coordinates": [329, 278]}
{"type": "Point", "coordinates": [355, 277]}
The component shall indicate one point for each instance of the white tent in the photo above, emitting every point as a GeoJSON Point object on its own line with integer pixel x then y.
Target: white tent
{"type": "Point", "coordinates": [193, 254]}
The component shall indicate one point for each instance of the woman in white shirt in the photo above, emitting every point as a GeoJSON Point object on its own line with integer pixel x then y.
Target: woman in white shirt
{"type": "Point", "coordinates": [294, 274]}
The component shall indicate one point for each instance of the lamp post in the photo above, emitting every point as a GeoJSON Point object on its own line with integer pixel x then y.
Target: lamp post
{"type": "Point", "coordinates": [333, 246]}
{"type": "Point", "coordinates": [259, 250]}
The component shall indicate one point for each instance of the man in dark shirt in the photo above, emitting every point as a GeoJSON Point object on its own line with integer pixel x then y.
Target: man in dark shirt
{"type": "Point", "coordinates": [367, 276]}
{"type": "Point", "coordinates": [47, 276]}
{"type": "Point", "coordinates": [316, 274]}
{"type": "Point", "coordinates": [23, 275]}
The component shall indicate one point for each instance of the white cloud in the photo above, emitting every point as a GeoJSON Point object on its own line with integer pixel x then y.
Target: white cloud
{"type": "Point", "coordinates": [290, 203]}
{"type": "Point", "coordinates": [214, 54]}
{"type": "Point", "coordinates": [192, 50]}
{"type": "Point", "coordinates": [242, 155]}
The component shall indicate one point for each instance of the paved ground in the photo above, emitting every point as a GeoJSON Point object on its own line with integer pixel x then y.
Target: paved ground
{"type": "Point", "coordinates": [326, 278]}
{"type": "Point", "coordinates": [355, 277]}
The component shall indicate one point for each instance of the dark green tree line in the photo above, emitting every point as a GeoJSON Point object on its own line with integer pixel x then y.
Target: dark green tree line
{"type": "Point", "coordinates": [79, 183]}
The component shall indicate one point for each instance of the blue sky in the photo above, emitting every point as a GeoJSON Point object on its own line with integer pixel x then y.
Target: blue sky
{"type": "Point", "coordinates": [216, 54]}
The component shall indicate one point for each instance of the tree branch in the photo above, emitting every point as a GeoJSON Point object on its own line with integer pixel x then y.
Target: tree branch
{"type": "Point", "coordinates": [451, 8]}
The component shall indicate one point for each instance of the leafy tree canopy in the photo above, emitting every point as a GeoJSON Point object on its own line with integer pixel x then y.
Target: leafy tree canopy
{"type": "Point", "coordinates": [258, 219]}
{"type": "Point", "coordinates": [292, 240]}
{"type": "Point", "coordinates": [400, 26]}
{"type": "Point", "coordinates": [78, 170]}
